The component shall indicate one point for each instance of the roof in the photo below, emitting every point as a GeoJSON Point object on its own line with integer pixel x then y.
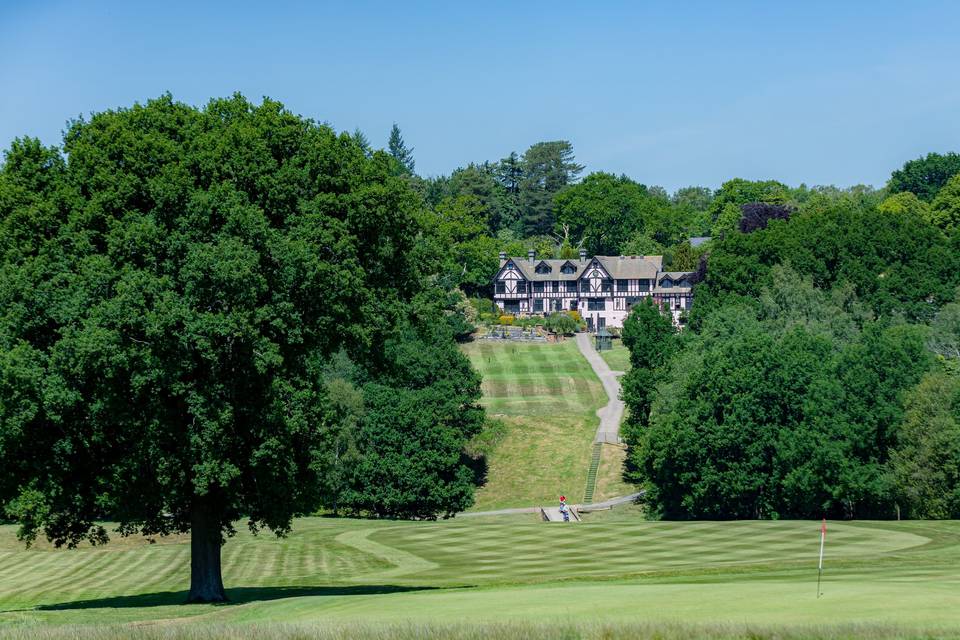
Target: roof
{"type": "Point", "coordinates": [699, 240]}
{"type": "Point", "coordinates": [527, 268]}
{"type": "Point", "coordinates": [674, 276]}
{"type": "Point", "coordinates": [631, 267]}
{"type": "Point", "coordinates": [619, 267]}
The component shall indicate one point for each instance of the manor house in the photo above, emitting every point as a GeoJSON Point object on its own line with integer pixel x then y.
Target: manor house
{"type": "Point", "coordinates": [601, 288]}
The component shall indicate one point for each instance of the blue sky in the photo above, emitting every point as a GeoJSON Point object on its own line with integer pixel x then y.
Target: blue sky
{"type": "Point", "coordinates": [669, 93]}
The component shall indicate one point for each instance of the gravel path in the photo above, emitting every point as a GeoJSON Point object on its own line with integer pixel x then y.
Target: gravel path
{"type": "Point", "coordinates": [610, 415]}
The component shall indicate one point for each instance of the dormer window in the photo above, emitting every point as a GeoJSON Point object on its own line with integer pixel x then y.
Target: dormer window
{"type": "Point", "coordinates": [543, 267]}
{"type": "Point", "coordinates": [666, 283]}
{"type": "Point", "coordinates": [568, 268]}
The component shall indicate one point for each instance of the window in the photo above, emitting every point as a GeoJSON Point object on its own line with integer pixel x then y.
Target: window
{"type": "Point", "coordinates": [543, 268]}
{"type": "Point", "coordinates": [571, 286]}
{"type": "Point", "coordinates": [511, 306]}
{"type": "Point", "coordinates": [573, 305]}
{"type": "Point", "coordinates": [501, 287]}
{"type": "Point", "coordinates": [622, 285]}
{"type": "Point", "coordinates": [547, 287]}
{"type": "Point", "coordinates": [568, 268]}
{"type": "Point", "coordinates": [644, 285]}
{"type": "Point", "coordinates": [632, 301]}
{"type": "Point", "coordinates": [537, 306]}
{"type": "Point", "coordinates": [538, 287]}
{"type": "Point", "coordinates": [605, 286]}
{"type": "Point", "coordinates": [596, 305]}
{"type": "Point", "coordinates": [666, 283]}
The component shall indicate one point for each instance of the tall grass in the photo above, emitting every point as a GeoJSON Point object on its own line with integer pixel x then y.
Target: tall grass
{"type": "Point", "coordinates": [556, 630]}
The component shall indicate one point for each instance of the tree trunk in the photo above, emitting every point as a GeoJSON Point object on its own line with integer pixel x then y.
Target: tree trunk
{"type": "Point", "coordinates": [206, 582]}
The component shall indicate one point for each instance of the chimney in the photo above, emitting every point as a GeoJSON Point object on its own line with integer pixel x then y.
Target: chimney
{"type": "Point", "coordinates": [503, 255]}
{"type": "Point", "coordinates": [583, 255]}
{"type": "Point", "coordinates": [531, 255]}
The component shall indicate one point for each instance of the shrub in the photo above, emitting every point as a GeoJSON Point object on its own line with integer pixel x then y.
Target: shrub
{"type": "Point", "coordinates": [575, 315]}
{"type": "Point", "coordinates": [506, 319]}
{"type": "Point", "coordinates": [560, 323]}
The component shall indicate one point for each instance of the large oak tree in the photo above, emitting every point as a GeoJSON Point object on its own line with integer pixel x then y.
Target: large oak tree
{"type": "Point", "coordinates": [174, 286]}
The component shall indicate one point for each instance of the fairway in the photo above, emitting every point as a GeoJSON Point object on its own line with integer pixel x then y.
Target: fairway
{"type": "Point", "coordinates": [615, 567]}
{"type": "Point", "coordinates": [547, 395]}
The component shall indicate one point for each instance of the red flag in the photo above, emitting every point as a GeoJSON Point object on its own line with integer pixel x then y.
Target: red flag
{"type": "Point", "coordinates": [823, 528]}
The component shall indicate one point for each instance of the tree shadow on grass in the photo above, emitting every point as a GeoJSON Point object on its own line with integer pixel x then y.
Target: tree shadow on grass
{"type": "Point", "coordinates": [237, 595]}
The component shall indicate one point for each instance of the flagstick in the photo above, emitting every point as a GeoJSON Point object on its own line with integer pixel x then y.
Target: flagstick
{"type": "Point", "coordinates": [823, 535]}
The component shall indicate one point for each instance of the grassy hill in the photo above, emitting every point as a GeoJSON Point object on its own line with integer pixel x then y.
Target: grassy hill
{"type": "Point", "coordinates": [547, 395]}
{"type": "Point", "coordinates": [751, 578]}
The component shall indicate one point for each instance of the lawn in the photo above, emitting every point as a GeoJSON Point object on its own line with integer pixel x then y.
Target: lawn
{"type": "Point", "coordinates": [547, 395]}
{"type": "Point", "coordinates": [618, 358]}
{"type": "Point", "coordinates": [611, 574]}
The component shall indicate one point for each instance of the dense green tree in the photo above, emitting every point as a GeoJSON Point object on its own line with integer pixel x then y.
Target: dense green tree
{"type": "Point", "coordinates": [640, 244]}
{"type": "Point", "coordinates": [777, 419]}
{"type": "Point", "coordinates": [945, 210]}
{"type": "Point", "coordinates": [467, 253]}
{"type": "Point", "coordinates": [480, 181]}
{"type": "Point", "coordinates": [945, 335]}
{"type": "Point", "coordinates": [696, 198]}
{"type": "Point", "coordinates": [691, 207]}
{"type": "Point", "coordinates": [547, 168]}
{"type": "Point", "coordinates": [905, 203]}
{"type": "Point", "coordinates": [896, 264]}
{"type": "Point", "coordinates": [926, 461]}
{"type": "Point", "coordinates": [180, 291]}
{"type": "Point", "coordinates": [398, 149]}
{"type": "Point", "coordinates": [419, 412]}
{"type": "Point", "coordinates": [684, 258]}
{"type": "Point", "coordinates": [652, 340]}
{"type": "Point", "coordinates": [725, 210]}
{"type": "Point", "coordinates": [924, 177]}
{"type": "Point", "coordinates": [604, 211]}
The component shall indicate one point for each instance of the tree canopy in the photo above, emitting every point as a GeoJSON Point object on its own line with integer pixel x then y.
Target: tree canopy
{"type": "Point", "coordinates": [208, 314]}
{"type": "Point", "coordinates": [924, 177]}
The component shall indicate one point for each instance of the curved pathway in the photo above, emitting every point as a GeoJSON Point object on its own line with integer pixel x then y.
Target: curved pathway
{"type": "Point", "coordinates": [609, 430]}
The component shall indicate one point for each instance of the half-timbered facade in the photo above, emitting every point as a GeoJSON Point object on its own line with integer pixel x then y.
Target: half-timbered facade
{"type": "Point", "coordinates": [601, 288]}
